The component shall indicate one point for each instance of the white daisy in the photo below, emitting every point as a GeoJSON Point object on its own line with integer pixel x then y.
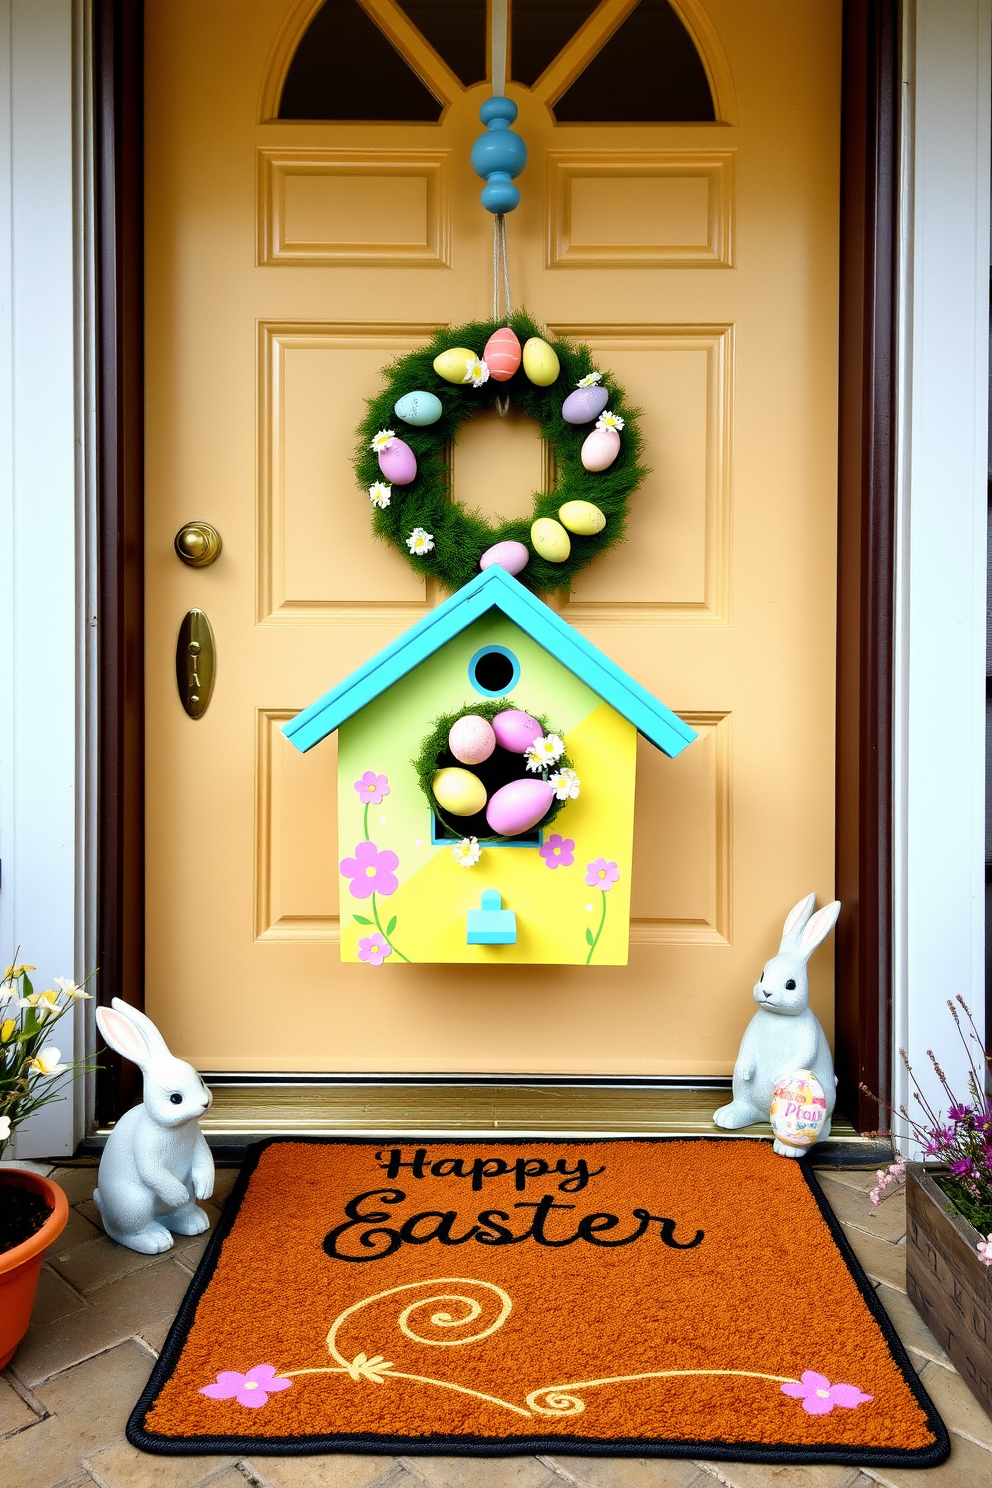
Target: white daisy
{"type": "Point", "coordinates": [420, 542]}
{"type": "Point", "coordinates": [46, 1061]}
{"type": "Point", "coordinates": [544, 751]}
{"type": "Point", "coordinates": [590, 379]}
{"type": "Point", "coordinates": [476, 371]}
{"type": "Point", "coordinates": [467, 852]}
{"type": "Point", "coordinates": [609, 421]}
{"type": "Point", "coordinates": [380, 494]}
{"type": "Point", "coordinates": [382, 440]}
{"type": "Point", "coordinates": [566, 784]}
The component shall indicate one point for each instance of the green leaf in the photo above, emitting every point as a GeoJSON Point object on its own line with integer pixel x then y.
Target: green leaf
{"type": "Point", "coordinates": [362, 920]}
{"type": "Point", "coordinates": [590, 938]}
{"type": "Point", "coordinates": [391, 926]}
{"type": "Point", "coordinates": [27, 988]}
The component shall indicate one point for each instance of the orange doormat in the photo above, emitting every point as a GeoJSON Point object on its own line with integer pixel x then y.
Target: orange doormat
{"type": "Point", "coordinates": [628, 1296]}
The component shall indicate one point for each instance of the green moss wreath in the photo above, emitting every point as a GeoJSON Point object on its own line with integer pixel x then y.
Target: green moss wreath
{"type": "Point", "coordinates": [462, 536]}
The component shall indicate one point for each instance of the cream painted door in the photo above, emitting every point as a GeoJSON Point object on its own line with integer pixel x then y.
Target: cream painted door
{"type": "Point", "coordinates": [286, 263]}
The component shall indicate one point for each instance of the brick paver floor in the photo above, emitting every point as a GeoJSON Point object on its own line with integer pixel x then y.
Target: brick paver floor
{"type": "Point", "coordinates": [103, 1312]}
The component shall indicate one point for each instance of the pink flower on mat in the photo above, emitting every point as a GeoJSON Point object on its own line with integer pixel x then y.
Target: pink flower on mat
{"type": "Point", "coordinates": [601, 874]}
{"type": "Point", "coordinates": [558, 851]}
{"type": "Point", "coordinates": [984, 1248]}
{"type": "Point", "coordinates": [374, 949]}
{"type": "Point", "coordinates": [819, 1396]}
{"type": "Point", "coordinates": [370, 871]}
{"type": "Point", "coordinates": [253, 1388]}
{"type": "Point", "coordinates": [371, 788]}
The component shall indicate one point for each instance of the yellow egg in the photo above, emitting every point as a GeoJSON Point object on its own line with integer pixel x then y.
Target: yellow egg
{"type": "Point", "coordinates": [582, 517]}
{"type": "Point", "coordinates": [451, 364]}
{"type": "Point", "coordinates": [540, 362]}
{"type": "Point", "coordinates": [459, 791]}
{"type": "Point", "coordinates": [550, 540]}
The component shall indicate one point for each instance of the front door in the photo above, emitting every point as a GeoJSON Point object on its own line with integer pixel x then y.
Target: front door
{"type": "Point", "coordinates": [311, 212]}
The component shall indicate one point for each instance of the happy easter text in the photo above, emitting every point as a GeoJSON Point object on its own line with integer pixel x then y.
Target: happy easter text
{"type": "Point", "coordinates": [373, 1228]}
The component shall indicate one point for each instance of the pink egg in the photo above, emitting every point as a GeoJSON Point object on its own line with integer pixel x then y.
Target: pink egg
{"type": "Point", "coordinates": [512, 556]}
{"type": "Point", "coordinates": [398, 463]}
{"type": "Point", "coordinates": [517, 807]}
{"type": "Point", "coordinates": [471, 739]}
{"type": "Point", "coordinates": [600, 449]}
{"type": "Point", "coordinates": [502, 354]}
{"type": "Point", "coordinates": [516, 731]}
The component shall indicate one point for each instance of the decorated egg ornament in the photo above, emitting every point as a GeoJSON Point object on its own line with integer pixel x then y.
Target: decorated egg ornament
{"type": "Point", "coordinates": [398, 463]}
{"type": "Point", "coordinates": [540, 363]}
{"type": "Point", "coordinates": [419, 409]}
{"type": "Point", "coordinates": [798, 1109]}
{"type": "Point", "coordinates": [550, 538]}
{"type": "Point", "coordinates": [512, 556]}
{"type": "Point", "coordinates": [518, 806]}
{"type": "Point", "coordinates": [585, 404]}
{"type": "Point", "coordinates": [471, 740]}
{"type": "Point", "coordinates": [582, 517]}
{"type": "Point", "coordinates": [452, 365]}
{"type": "Point", "coordinates": [516, 731]}
{"type": "Point", "coordinates": [600, 449]}
{"type": "Point", "coordinates": [502, 354]}
{"type": "Point", "coordinates": [458, 791]}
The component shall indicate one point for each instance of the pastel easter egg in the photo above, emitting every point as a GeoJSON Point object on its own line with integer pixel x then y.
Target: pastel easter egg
{"type": "Point", "coordinates": [550, 539]}
{"type": "Point", "coordinates": [512, 556]}
{"type": "Point", "coordinates": [798, 1109]}
{"type": "Point", "coordinates": [518, 806]}
{"type": "Point", "coordinates": [600, 448]}
{"type": "Point", "coordinates": [451, 364]}
{"type": "Point", "coordinates": [459, 791]}
{"type": "Point", "coordinates": [516, 731]}
{"type": "Point", "coordinates": [540, 362]}
{"type": "Point", "coordinates": [398, 463]}
{"type": "Point", "coordinates": [585, 404]}
{"type": "Point", "coordinates": [502, 354]}
{"type": "Point", "coordinates": [582, 517]}
{"type": "Point", "coordinates": [471, 739]}
{"type": "Point", "coordinates": [419, 409]}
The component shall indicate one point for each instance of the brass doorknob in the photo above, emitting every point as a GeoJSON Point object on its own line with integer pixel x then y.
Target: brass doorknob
{"type": "Point", "coordinates": [197, 543]}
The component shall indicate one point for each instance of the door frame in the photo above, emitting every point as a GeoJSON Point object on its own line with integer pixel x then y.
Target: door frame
{"type": "Point", "coordinates": [869, 200]}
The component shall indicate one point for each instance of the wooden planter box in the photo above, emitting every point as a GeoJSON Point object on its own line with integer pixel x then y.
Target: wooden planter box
{"type": "Point", "coordinates": [948, 1283]}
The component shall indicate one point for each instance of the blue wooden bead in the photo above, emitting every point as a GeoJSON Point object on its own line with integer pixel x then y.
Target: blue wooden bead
{"type": "Point", "coordinates": [499, 155]}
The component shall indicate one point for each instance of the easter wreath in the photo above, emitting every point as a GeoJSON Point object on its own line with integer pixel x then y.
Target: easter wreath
{"type": "Point", "coordinates": [499, 768]}
{"type": "Point", "coordinates": [424, 519]}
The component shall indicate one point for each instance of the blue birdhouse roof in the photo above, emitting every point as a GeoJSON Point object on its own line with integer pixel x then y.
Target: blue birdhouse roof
{"type": "Point", "coordinates": [492, 589]}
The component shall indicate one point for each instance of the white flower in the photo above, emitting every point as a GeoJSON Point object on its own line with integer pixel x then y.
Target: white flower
{"type": "Point", "coordinates": [984, 1248]}
{"type": "Point", "coordinates": [380, 494]}
{"type": "Point", "coordinates": [7, 994]}
{"type": "Point", "coordinates": [544, 751]}
{"type": "Point", "coordinates": [590, 379]}
{"type": "Point", "coordinates": [46, 1062]}
{"type": "Point", "coordinates": [4, 1128]}
{"type": "Point", "coordinates": [382, 440]}
{"type": "Point", "coordinates": [420, 542]}
{"type": "Point", "coordinates": [42, 1003]}
{"type": "Point", "coordinates": [67, 986]}
{"type": "Point", "coordinates": [467, 852]}
{"type": "Point", "coordinates": [476, 371]}
{"type": "Point", "coordinates": [609, 421]}
{"type": "Point", "coordinates": [566, 784]}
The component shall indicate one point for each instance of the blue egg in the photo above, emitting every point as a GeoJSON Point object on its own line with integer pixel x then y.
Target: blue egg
{"type": "Point", "coordinates": [418, 409]}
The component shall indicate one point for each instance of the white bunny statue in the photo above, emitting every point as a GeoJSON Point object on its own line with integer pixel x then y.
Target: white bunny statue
{"type": "Point", "coordinates": [156, 1163]}
{"type": "Point", "coordinates": [784, 1036]}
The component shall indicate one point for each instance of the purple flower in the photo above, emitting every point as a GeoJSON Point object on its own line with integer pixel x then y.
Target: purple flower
{"type": "Point", "coordinates": [371, 788]}
{"type": "Point", "coordinates": [374, 949]}
{"type": "Point", "coordinates": [601, 874]}
{"type": "Point", "coordinates": [959, 1113]}
{"type": "Point", "coordinates": [253, 1388]}
{"type": "Point", "coordinates": [370, 871]}
{"type": "Point", "coordinates": [558, 851]}
{"type": "Point", "coordinates": [819, 1396]}
{"type": "Point", "coordinates": [962, 1167]}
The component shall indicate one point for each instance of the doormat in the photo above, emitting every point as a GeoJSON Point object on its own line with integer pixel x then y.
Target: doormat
{"type": "Point", "coordinates": [658, 1297]}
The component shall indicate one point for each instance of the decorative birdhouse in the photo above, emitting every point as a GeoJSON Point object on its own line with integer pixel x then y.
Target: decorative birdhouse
{"type": "Point", "coordinates": [486, 764]}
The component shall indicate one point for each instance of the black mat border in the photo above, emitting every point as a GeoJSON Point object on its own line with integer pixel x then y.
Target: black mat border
{"type": "Point", "coordinates": [467, 1446]}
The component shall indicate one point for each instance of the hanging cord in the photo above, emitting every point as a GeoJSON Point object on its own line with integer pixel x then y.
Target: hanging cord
{"type": "Point", "coordinates": [499, 260]}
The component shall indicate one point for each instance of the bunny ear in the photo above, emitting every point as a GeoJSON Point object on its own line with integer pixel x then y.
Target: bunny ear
{"type": "Point", "coordinates": [122, 1035]}
{"type": "Point", "coordinates": [819, 928]}
{"type": "Point", "coordinates": [795, 923]}
{"type": "Point", "coordinates": [144, 1026]}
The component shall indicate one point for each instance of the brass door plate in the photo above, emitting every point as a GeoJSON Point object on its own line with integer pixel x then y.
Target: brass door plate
{"type": "Point", "coordinates": [198, 544]}
{"type": "Point", "coordinates": [196, 663]}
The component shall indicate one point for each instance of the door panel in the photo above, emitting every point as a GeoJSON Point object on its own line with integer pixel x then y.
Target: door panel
{"type": "Point", "coordinates": [286, 263]}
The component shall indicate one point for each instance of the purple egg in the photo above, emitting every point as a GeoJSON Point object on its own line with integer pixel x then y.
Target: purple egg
{"type": "Point", "coordinates": [517, 807]}
{"type": "Point", "coordinates": [398, 463]}
{"type": "Point", "coordinates": [585, 404]}
{"type": "Point", "coordinates": [512, 556]}
{"type": "Point", "coordinates": [516, 731]}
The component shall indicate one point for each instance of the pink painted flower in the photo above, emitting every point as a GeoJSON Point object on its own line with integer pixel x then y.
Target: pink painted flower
{"type": "Point", "coordinates": [370, 871]}
{"type": "Point", "coordinates": [984, 1248]}
{"type": "Point", "coordinates": [253, 1388]}
{"type": "Point", "coordinates": [601, 874]}
{"type": "Point", "coordinates": [374, 949]}
{"type": "Point", "coordinates": [558, 851]}
{"type": "Point", "coordinates": [371, 788]}
{"type": "Point", "coordinates": [819, 1396]}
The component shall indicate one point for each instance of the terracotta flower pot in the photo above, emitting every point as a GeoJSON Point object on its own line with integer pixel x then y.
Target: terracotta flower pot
{"type": "Point", "coordinates": [19, 1267]}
